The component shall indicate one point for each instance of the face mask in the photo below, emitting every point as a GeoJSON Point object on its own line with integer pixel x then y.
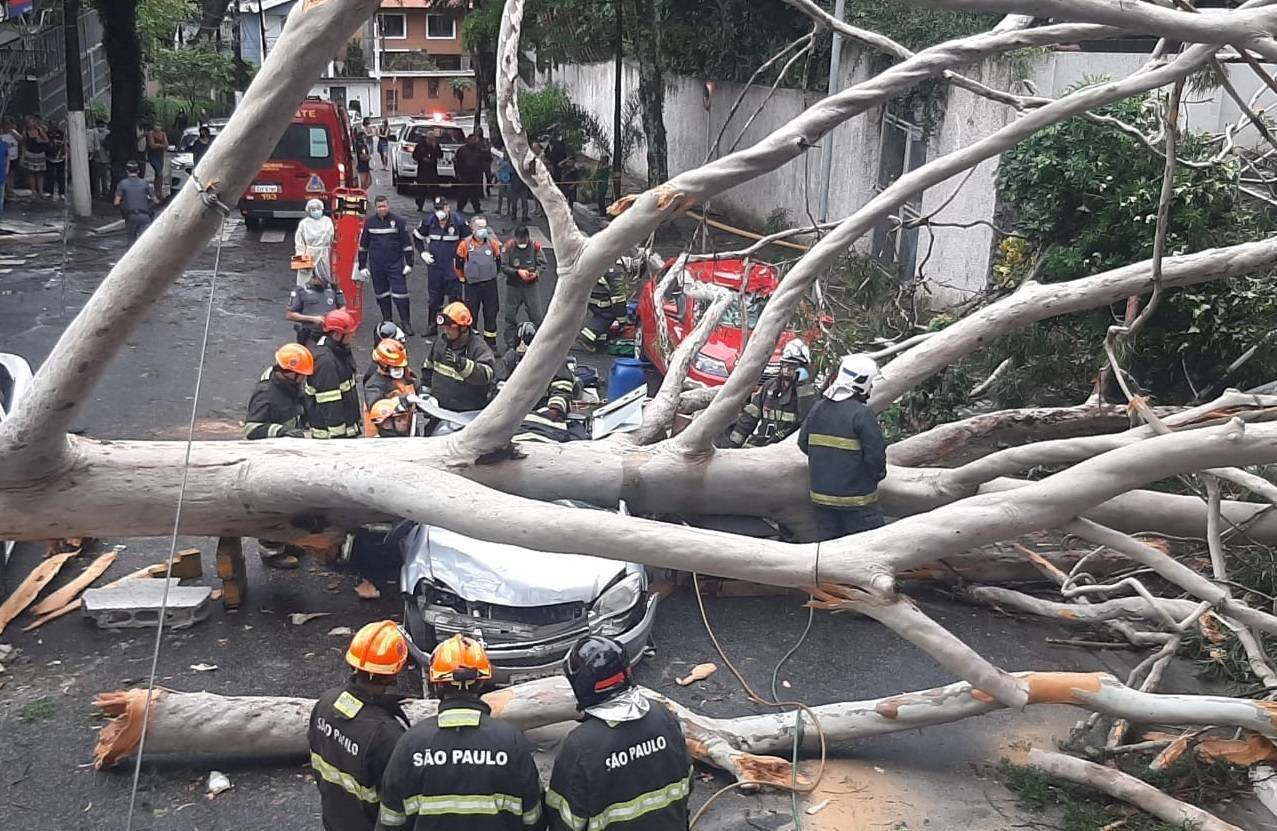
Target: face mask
{"type": "Point", "coordinates": [481, 234]}
{"type": "Point", "coordinates": [522, 244]}
{"type": "Point", "coordinates": [316, 214]}
{"type": "Point", "coordinates": [396, 372]}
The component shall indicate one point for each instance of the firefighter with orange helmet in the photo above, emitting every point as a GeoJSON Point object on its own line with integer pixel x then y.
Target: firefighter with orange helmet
{"type": "Point", "coordinates": [390, 374]}
{"type": "Point", "coordinates": [463, 768]}
{"type": "Point", "coordinates": [390, 419]}
{"type": "Point", "coordinates": [354, 728]}
{"type": "Point", "coordinates": [460, 369]}
{"type": "Point", "coordinates": [275, 408]}
{"type": "Point", "coordinates": [332, 392]}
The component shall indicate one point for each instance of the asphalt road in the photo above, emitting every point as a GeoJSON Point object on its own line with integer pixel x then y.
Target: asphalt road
{"type": "Point", "coordinates": [48, 724]}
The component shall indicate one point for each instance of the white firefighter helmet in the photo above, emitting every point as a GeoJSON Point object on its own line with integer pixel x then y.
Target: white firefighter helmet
{"type": "Point", "coordinates": [795, 352]}
{"type": "Point", "coordinates": [855, 377]}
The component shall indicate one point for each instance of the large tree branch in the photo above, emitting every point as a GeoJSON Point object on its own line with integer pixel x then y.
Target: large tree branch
{"type": "Point", "coordinates": [33, 439]}
{"type": "Point", "coordinates": [699, 436]}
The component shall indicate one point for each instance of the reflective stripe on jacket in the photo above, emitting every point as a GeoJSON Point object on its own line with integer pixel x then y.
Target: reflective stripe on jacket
{"type": "Point", "coordinates": [464, 387]}
{"type": "Point", "coordinates": [773, 413]}
{"type": "Point", "coordinates": [846, 453]}
{"type": "Point", "coordinates": [385, 242]}
{"type": "Point", "coordinates": [275, 409]}
{"type": "Point", "coordinates": [631, 775]}
{"type": "Point", "coordinates": [332, 393]}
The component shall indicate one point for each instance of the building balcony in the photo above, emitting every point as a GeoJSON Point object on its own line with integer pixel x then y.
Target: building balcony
{"type": "Point", "coordinates": [420, 63]}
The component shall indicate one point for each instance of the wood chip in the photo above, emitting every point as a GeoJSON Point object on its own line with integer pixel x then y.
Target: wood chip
{"type": "Point", "coordinates": [367, 591]}
{"type": "Point", "coordinates": [26, 592]}
{"type": "Point", "coordinates": [71, 590]}
{"type": "Point", "coordinates": [1254, 748]}
{"type": "Point", "coordinates": [699, 673]}
{"type": "Point", "coordinates": [298, 618]}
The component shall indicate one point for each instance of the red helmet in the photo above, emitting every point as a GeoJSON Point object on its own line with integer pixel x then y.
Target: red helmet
{"type": "Point", "coordinates": [340, 321]}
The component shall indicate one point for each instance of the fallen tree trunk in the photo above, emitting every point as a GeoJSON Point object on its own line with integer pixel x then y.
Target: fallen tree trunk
{"type": "Point", "coordinates": [258, 727]}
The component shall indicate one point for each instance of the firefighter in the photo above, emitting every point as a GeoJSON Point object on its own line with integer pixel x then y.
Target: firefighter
{"type": "Point", "coordinates": [564, 387]}
{"type": "Point", "coordinates": [478, 262]}
{"type": "Point", "coordinates": [385, 255]}
{"type": "Point", "coordinates": [390, 419]}
{"type": "Point", "coordinates": [308, 304]}
{"type": "Point", "coordinates": [462, 769]}
{"type": "Point", "coordinates": [627, 763]}
{"type": "Point", "coordinates": [354, 729]}
{"type": "Point", "coordinates": [390, 377]}
{"type": "Point", "coordinates": [275, 409]}
{"type": "Point", "coordinates": [781, 404]}
{"type": "Point", "coordinates": [846, 452]}
{"type": "Point", "coordinates": [460, 369]}
{"type": "Point", "coordinates": [522, 261]}
{"type": "Point", "coordinates": [332, 393]}
{"type": "Point", "coordinates": [607, 305]}
{"type": "Point", "coordinates": [437, 238]}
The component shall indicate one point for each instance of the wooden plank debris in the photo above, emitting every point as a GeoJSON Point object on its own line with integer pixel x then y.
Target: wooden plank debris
{"type": "Point", "coordinates": [26, 592]}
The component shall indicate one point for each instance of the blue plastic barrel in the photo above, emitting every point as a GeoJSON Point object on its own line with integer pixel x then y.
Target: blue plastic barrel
{"type": "Point", "coordinates": [627, 374]}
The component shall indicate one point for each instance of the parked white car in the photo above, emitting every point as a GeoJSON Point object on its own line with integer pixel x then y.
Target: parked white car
{"type": "Point", "coordinates": [403, 168]}
{"type": "Point", "coordinates": [181, 157]}
{"type": "Point", "coordinates": [15, 381]}
{"type": "Point", "coordinates": [528, 606]}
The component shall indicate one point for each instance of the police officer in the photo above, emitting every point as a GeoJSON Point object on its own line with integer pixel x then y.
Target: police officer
{"type": "Point", "coordinates": [308, 304]}
{"type": "Point", "coordinates": [460, 369]}
{"type": "Point", "coordinates": [354, 729]}
{"type": "Point", "coordinates": [462, 769]}
{"type": "Point", "coordinates": [607, 305]}
{"type": "Point", "coordinates": [846, 452]}
{"type": "Point", "coordinates": [332, 393]}
{"type": "Point", "coordinates": [627, 763]}
{"type": "Point", "coordinates": [478, 262]}
{"type": "Point", "coordinates": [521, 262]}
{"type": "Point", "coordinates": [275, 409]}
{"type": "Point", "coordinates": [136, 199]}
{"type": "Point", "coordinates": [385, 255]}
{"type": "Point", "coordinates": [781, 404]}
{"type": "Point", "coordinates": [437, 238]}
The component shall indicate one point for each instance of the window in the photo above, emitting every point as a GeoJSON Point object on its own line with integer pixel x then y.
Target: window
{"type": "Point", "coordinates": [393, 26]}
{"type": "Point", "coordinates": [448, 63]}
{"type": "Point", "coordinates": [407, 88]}
{"type": "Point", "coordinates": [903, 149]}
{"type": "Point", "coordinates": [303, 143]}
{"type": "Point", "coordinates": [432, 87]}
{"type": "Point", "coordinates": [441, 27]}
{"type": "Point", "coordinates": [392, 102]}
{"type": "Point", "coordinates": [446, 135]}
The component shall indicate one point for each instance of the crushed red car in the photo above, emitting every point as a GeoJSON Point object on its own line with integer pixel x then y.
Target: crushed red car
{"type": "Point", "coordinates": [718, 357]}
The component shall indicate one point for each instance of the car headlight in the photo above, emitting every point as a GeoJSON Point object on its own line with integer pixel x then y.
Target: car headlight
{"type": "Point", "coordinates": [710, 366]}
{"type": "Point", "coordinates": [620, 597]}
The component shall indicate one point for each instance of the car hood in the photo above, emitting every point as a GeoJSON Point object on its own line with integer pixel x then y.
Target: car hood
{"type": "Point", "coordinates": [506, 575]}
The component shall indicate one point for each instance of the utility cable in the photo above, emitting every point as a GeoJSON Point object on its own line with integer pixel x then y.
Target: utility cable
{"type": "Point", "coordinates": [800, 710]}
{"type": "Point", "coordinates": [210, 199]}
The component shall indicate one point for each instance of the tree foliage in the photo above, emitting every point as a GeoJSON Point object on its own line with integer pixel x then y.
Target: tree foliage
{"type": "Point", "coordinates": [193, 73]}
{"type": "Point", "coordinates": [158, 20]}
{"type": "Point", "coordinates": [1085, 195]}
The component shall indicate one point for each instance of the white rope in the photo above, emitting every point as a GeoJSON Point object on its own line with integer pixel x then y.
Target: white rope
{"type": "Point", "coordinates": [210, 200]}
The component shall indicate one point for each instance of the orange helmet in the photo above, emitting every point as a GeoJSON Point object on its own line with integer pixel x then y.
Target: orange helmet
{"type": "Point", "coordinates": [456, 314]}
{"type": "Point", "coordinates": [383, 409]}
{"type": "Point", "coordinates": [378, 649]}
{"type": "Point", "coordinates": [340, 321]}
{"type": "Point", "coordinates": [460, 662]}
{"type": "Point", "coordinates": [295, 358]}
{"type": "Point", "coordinates": [390, 352]}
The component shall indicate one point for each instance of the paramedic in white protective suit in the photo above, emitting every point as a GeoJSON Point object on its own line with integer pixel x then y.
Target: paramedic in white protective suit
{"type": "Point", "coordinates": [314, 238]}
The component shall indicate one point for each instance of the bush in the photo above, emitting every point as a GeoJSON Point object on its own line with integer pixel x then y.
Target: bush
{"type": "Point", "coordinates": [550, 108]}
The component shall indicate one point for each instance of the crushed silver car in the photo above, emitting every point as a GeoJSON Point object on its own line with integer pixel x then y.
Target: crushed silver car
{"type": "Point", "coordinates": [528, 606]}
{"type": "Point", "coordinates": [15, 381]}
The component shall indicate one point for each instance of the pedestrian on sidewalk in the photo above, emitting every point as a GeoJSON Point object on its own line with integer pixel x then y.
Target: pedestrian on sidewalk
{"type": "Point", "coordinates": [602, 181]}
{"type": "Point", "coordinates": [505, 185]}
{"type": "Point", "coordinates": [468, 164]}
{"type": "Point", "coordinates": [363, 162]}
{"type": "Point", "coordinates": [100, 160]}
{"type": "Point", "coordinates": [156, 148]}
{"type": "Point", "coordinates": [383, 144]}
{"type": "Point", "coordinates": [35, 144]}
{"type": "Point", "coordinates": [4, 173]}
{"type": "Point", "coordinates": [427, 153]}
{"type": "Point", "coordinates": [56, 174]}
{"type": "Point", "coordinates": [10, 138]}
{"type": "Point", "coordinates": [136, 199]}
{"type": "Point", "coordinates": [521, 263]}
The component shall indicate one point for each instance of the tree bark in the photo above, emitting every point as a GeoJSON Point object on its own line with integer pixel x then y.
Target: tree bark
{"type": "Point", "coordinates": [124, 59]}
{"type": "Point", "coordinates": [212, 13]}
{"type": "Point", "coordinates": [651, 89]}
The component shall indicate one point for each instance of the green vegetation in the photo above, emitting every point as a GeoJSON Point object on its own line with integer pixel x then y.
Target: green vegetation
{"type": "Point", "coordinates": [191, 73]}
{"type": "Point", "coordinates": [41, 709]}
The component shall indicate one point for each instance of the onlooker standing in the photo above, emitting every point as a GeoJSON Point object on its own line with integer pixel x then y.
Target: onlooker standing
{"type": "Point", "coordinates": [9, 136]}
{"type": "Point", "coordinates": [505, 184]}
{"type": "Point", "coordinates": [363, 162]}
{"type": "Point", "coordinates": [486, 147]}
{"type": "Point", "coordinates": [383, 144]}
{"type": "Point", "coordinates": [602, 180]}
{"type": "Point", "coordinates": [56, 176]}
{"type": "Point", "coordinates": [521, 263]}
{"type": "Point", "coordinates": [566, 176]}
{"type": "Point", "coordinates": [156, 147]}
{"type": "Point", "coordinates": [136, 199]}
{"type": "Point", "coordinates": [468, 164]}
{"type": "Point", "coordinates": [35, 144]}
{"type": "Point", "coordinates": [201, 145]}
{"type": "Point", "coordinates": [100, 160]}
{"type": "Point", "coordinates": [427, 153]}
{"type": "Point", "coordinates": [181, 123]}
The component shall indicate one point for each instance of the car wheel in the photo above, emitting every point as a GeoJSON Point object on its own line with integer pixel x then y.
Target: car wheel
{"type": "Point", "coordinates": [422, 634]}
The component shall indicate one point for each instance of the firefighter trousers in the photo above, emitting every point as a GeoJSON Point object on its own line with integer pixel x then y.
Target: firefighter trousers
{"type": "Point", "coordinates": [482, 299]}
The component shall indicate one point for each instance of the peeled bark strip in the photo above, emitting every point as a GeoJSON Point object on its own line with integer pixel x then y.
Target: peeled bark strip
{"type": "Point", "coordinates": [1126, 788]}
{"type": "Point", "coordinates": [259, 727]}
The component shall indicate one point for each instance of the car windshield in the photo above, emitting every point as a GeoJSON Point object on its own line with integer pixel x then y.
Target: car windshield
{"type": "Point", "coordinates": [754, 304]}
{"type": "Point", "coordinates": [303, 143]}
{"type": "Point", "coordinates": [446, 135]}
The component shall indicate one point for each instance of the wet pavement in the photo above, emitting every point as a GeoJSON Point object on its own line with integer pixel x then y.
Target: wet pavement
{"type": "Point", "coordinates": [48, 724]}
